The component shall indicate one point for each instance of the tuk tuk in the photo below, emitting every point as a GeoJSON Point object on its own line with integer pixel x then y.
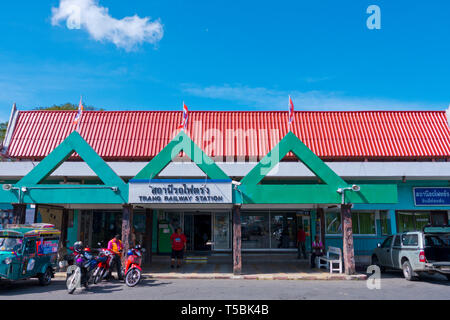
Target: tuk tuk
{"type": "Point", "coordinates": [28, 251]}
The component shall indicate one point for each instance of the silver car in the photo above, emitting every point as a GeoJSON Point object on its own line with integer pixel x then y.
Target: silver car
{"type": "Point", "coordinates": [416, 252]}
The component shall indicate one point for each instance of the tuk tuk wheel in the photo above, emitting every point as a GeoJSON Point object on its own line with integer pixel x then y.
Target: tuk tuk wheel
{"type": "Point", "coordinates": [46, 278]}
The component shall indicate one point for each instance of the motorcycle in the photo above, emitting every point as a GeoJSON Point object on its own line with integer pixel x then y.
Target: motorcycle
{"type": "Point", "coordinates": [81, 273]}
{"type": "Point", "coordinates": [103, 269]}
{"type": "Point", "coordinates": [133, 270]}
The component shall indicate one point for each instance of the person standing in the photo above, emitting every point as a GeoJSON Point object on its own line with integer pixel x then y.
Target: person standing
{"type": "Point", "coordinates": [301, 238]}
{"type": "Point", "coordinates": [115, 245]}
{"type": "Point", "coordinates": [133, 237]}
{"type": "Point", "coordinates": [178, 242]}
{"type": "Point", "coordinates": [317, 250]}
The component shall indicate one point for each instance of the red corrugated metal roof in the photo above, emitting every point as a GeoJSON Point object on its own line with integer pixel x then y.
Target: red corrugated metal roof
{"type": "Point", "coordinates": [242, 135]}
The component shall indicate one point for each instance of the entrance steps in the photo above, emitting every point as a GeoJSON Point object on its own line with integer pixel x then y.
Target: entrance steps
{"type": "Point", "coordinates": [196, 259]}
{"type": "Point", "coordinates": [214, 258]}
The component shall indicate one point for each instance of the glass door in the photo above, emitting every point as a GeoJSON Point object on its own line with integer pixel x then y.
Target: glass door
{"type": "Point", "coordinates": [202, 232]}
{"type": "Point", "coordinates": [221, 231]}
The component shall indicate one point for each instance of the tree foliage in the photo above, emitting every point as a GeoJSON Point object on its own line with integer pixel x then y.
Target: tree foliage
{"type": "Point", "coordinates": [3, 127]}
{"type": "Point", "coordinates": [68, 106]}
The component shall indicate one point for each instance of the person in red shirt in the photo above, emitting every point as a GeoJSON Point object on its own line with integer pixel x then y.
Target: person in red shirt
{"type": "Point", "coordinates": [301, 237]}
{"type": "Point", "coordinates": [178, 242]}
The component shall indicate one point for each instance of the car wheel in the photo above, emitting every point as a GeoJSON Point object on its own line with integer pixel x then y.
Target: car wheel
{"type": "Point", "coordinates": [377, 263]}
{"type": "Point", "coordinates": [448, 277]}
{"type": "Point", "coordinates": [408, 272]}
{"type": "Point", "coordinates": [46, 278]}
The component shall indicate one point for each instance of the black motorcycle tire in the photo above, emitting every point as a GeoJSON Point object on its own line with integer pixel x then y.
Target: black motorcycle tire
{"type": "Point", "coordinates": [133, 277]}
{"type": "Point", "coordinates": [98, 274]}
{"type": "Point", "coordinates": [71, 282]}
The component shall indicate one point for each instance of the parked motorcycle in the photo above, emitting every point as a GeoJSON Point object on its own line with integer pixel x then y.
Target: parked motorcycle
{"type": "Point", "coordinates": [133, 271]}
{"type": "Point", "coordinates": [103, 270]}
{"type": "Point", "coordinates": [81, 273]}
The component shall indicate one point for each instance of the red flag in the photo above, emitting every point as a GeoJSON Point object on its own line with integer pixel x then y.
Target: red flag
{"type": "Point", "coordinates": [183, 124]}
{"type": "Point", "coordinates": [291, 112]}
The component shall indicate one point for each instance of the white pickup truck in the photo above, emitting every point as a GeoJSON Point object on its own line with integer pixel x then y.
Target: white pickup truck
{"type": "Point", "coordinates": [417, 252]}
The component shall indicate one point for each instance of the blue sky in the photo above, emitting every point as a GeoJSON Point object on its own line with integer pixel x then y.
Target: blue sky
{"type": "Point", "coordinates": [227, 55]}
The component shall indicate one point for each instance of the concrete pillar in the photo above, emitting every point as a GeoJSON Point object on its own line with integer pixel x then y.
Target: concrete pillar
{"type": "Point", "coordinates": [237, 249]}
{"type": "Point", "coordinates": [19, 213]}
{"type": "Point", "coordinates": [148, 235]}
{"type": "Point", "coordinates": [127, 222]}
{"type": "Point", "coordinates": [347, 237]}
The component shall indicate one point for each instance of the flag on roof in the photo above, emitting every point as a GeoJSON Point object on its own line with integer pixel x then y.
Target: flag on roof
{"type": "Point", "coordinates": [291, 112]}
{"type": "Point", "coordinates": [183, 124]}
{"type": "Point", "coordinates": [79, 113]}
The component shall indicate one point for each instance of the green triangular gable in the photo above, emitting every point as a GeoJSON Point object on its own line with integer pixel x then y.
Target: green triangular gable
{"type": "Point", "coordinates": [114, 190]}
{"type": "Point", "coordinates": [182, 142]}
{"type": "Point", "coordinates": [73, 143]}
{"type": "Point", "coordinates": [291, 143]}
{"type": "Point", "coordinates": [249, 191]}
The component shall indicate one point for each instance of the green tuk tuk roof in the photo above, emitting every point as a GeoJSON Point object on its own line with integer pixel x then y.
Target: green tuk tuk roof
{"type": "Point", "coordinates": [27, 230]}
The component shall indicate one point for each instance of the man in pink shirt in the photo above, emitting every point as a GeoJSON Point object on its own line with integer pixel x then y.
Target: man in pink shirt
{"type": "Point", "coordinates": [317, 250]}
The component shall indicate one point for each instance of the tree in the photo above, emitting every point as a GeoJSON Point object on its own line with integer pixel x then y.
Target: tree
{"type": "Point", "coordinates": [3, 127]}
{"type": "Point", "coordinates": [68, 106]}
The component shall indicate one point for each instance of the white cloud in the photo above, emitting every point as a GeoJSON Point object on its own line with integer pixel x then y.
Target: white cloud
{"type": "Point", "coordinates": [126, 33]}
{"type": "Point", "coordinates": [271, 99]}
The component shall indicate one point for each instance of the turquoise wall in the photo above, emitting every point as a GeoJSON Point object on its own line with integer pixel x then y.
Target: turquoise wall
{"type": "Point", "coordinates": [72, 233]}
{"type": "Point", "coordinates": [364, 245]}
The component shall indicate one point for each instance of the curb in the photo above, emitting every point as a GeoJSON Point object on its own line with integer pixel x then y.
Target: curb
{"type": "Point", "coordinates": [259, 277]}
{"type": "Point", "coordinates": [248, 277]}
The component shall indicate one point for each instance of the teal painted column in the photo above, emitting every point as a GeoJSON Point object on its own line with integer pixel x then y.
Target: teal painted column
{"type": "Point", "coordinates": [72, 233]}
{"type": "Point", "coordinates": [313, 224]}
{"type": "Point", "coordinates": [378, 224]}
{"type": "Point", "coordinates": [393, 221]}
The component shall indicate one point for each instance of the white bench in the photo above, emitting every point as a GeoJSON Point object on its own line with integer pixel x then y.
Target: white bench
{"type": "Point", "coordinates": [334, 256]}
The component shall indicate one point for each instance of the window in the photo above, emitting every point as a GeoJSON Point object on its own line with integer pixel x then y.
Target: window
{"type": "Point", "coordinates": [10, 244]}
{"type": "Point", "coordinates": [255, 231]}
{"type": "Point", "coordinates": [435, 241]}
{"type": "Point", "coordinates": [221, 230]}
{"type": "Point", "coordinates": [397, 241]}
{"type": "Point", "coordinates": [333, 223]}
{"type": "Point", "coordinates": [30, 247]}
{"type": "Point", "coordinates": [105, 225]}
{"type": "Point", "coordinates": [283, 230]}
{"type": "Point", "coordinates": [410, 240]}
{"type": "Point", "coordinates": [385, 223]}
{"type": "Point", "coordinates": [387, 242]}
{"type": "Point", "coordinates": [363, 222]}
{"type": "Point", "coordinates": [412, 220]}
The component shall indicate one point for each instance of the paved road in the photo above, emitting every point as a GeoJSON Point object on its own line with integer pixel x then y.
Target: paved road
{"type": "Point", "coordinates": [393, 286]}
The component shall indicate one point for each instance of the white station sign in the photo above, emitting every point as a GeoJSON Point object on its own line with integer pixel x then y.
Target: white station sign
{"type": "Point", "coordinates": [180, 191]}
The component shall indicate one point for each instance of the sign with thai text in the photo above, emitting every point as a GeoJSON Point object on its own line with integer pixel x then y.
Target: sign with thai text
{"type": "Point", "coordinates": [180, 191]}
{"type": "Point", "coordinates": [431, 196]}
